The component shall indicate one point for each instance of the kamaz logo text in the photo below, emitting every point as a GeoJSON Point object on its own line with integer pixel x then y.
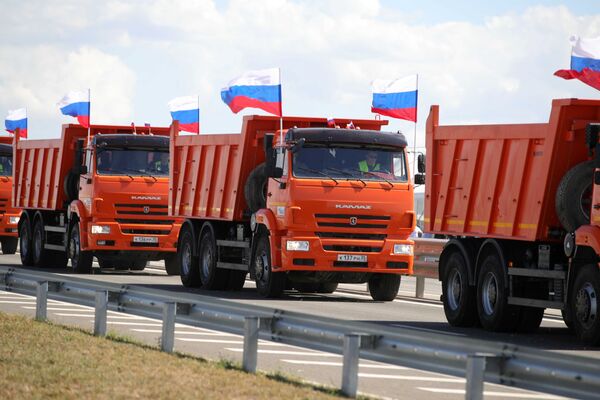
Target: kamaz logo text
{"type": "Point", "coordinates": [354, 206]}
{"type": "Point", "coordinates": [146, 198]}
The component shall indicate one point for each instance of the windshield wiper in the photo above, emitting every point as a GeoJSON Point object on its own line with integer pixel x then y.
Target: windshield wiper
{"type": "Point", "coordinates": [141, 172]}
{"type": "Point", "coordinates": [348, 174]}
{"type": "Point", "coordinates": [316, 171]}
{"type": "Point", "coordinates": [378, 176]}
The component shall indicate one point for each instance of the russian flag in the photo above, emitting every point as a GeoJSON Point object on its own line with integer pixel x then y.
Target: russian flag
{"type": "Point", "coordinates": [396, 98]}
{"type": "Point", "coordinates": [585, 62]}
{"type": "Point", "coordinates": [17, 119]}
{"type": "Point", "coordinates": [77, 104]}
{"type": "Point", "coordinates": [186, 110]}
{"type": "Point", "coordinates": [257, 89]}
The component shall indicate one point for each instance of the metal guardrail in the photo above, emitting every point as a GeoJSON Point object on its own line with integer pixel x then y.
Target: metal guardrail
{"type": "Point", "coordinates": [476, 360]}
{"type": "Point", "coordinates": [427, 255]}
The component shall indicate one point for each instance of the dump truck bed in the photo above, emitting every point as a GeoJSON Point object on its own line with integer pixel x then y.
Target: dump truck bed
{"type": "Point", "coordinates": [501, 180]}
{"type": "Point", "coordinates": [209, 171]}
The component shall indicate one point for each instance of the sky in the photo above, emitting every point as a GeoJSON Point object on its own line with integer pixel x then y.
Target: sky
{"type": "Point", "coordinates": [482, 62]}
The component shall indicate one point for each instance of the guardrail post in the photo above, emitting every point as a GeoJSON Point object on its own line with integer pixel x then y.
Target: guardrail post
{"type": "Point", "coordinates": [250, 356]}
{"type": "Point", "coordinates": [41, 303]}
{"type": "Point", "coordinates": [420, 290]}
{"type": "Point", "coordinates": [475, 376]}
{"type": "Point", "coordinates": [350, 367]}
{"type": "Point", "coordinates": [100, 313]}
{"type": "Point", "coordinates": [168, 328]}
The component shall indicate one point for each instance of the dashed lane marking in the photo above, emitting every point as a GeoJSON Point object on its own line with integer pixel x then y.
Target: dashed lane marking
{"type": "Point", "coordinates": [133, 323]}
{"type": "Point", "coordinates": [186, 333]}
{"type": "Point", "coordinates": [17, 302]}
{"type": "Point", "coordinates": [224, 341]}
{"type": "Point", "coordinates": [339, 364]}
{"type": "Point", "coordinates": [495, 394]}
{"type": "Point", "coordinates": [412, 378]}
{"type": "Point", "coordinates": [286, 352]}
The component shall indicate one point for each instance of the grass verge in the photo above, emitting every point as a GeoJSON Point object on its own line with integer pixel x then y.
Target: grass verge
{"type": "Point", "coordinates": [42, 360]}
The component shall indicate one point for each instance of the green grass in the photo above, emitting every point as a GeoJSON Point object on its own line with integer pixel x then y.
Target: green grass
{"type": "Point", "coordinates": [39, 360]}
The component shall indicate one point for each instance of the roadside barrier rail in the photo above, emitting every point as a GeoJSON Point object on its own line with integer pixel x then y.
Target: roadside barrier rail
{"type": "Point", "coordinates": [476, 360]}
{"type": "Point", "coordinates": [427, 255]}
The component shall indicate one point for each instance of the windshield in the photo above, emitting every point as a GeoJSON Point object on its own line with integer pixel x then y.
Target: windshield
{"type": "Point", "coordinates": [5, 165]}
{"type": "Point", "coordinates": [366, 164]}
{"type": "Point", "coordinates": [123, 161]}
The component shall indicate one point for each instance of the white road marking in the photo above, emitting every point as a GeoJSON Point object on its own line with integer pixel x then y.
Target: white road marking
{"type": "Point", "coordinates": [187, 333]}
{"type": "Point", "coordinates": [497, 394]}
{"type": "Point", "coordinates": [412, 378]}
{"type": "Point", "coordinates": [133, 323]}
{"type": "Point", "coordinates": [224, 341]}
{"type": "Point", "coordinates": [17, 302]}
{"type": "Point", "coordinates": [290, 353]}
{"type": "Point", "coordinates": [60, 309]}
{"type": "Point", "coordinates": [339, 364]}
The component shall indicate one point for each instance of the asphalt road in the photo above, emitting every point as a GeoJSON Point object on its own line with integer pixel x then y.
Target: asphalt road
{"type": "Point", "coordinates": [350, 302]}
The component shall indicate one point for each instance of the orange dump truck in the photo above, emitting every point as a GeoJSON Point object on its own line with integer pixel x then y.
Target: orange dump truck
{"type": "Point", "coordinates": [516, 202]}
{"type": "Point", "coordinates": [106, 197]}
{"type": "Point", "coordinates": [9, 216]}
{"type": "Point", "coordinates": [294, 208]}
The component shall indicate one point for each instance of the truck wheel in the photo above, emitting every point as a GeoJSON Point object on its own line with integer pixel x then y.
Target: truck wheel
{"type": "Point", "coordinates": [255, 189]}
{"type": "Point", "coordinates": [236, 280]}
{"type": "Point", "coordinates": [9, 245]}
{"type": "Point", "coordinates": [40, 255]}
{"type": "Point", "coordinates": [327, 287]}
{"type": "Point", "coordinates": [188, 264]}
{"type": "Point", "coordinates": [138, 265]}
{"type": "Point", "coordinates": [81, 261]}
{"type": "Point", "coordinates": [585, 306]}
{"type": "Point", "coordinates": [495, 314]}
{"type": "Point", "coordinates": [268, 283]}
{"type": "Point", "coordinates": [384, 287]}
{"type": "Point", "coordinates": [25, 242]}
{"type": "Point", "coordinates": [212, 277]}
{"type": "Point", "coordinates": [172, 264]}
{"type": "Point", "coordinates": [574, 195]}
{"type": "Point", "coordinates": [458, 296]}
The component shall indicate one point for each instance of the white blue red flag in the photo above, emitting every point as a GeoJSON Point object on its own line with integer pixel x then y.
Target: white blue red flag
{"type": "Point", "coordinates": [17, 119]}
{"type": "Point", "coordinates": [186, 110]}
{"type": "Point", "coordinates": [256, 89]}
{"type": "Point", "coordinates": [396, 98]}
{"type": "Point", "coordinates": [77, 104]}
{"type": "Point", "coordinates": [585, 62]}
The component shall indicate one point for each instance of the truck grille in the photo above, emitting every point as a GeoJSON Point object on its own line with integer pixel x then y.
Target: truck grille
{"type": "Point", "coordinates": [360, 249]}
{"type": "Point", "coordinates": [144, 221]}
{"type": "Point", "coordinates": [141, 209]}
{"type": "Point", "coordinates": [352, 221]}
{"type": "Point", "coordinates": [146, 231]}
{"type": "Point", "coordinates": [351, 235]}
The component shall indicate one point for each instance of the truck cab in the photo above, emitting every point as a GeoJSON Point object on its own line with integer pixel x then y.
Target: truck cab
{"type": "Point", "coordinates": [9, 216]}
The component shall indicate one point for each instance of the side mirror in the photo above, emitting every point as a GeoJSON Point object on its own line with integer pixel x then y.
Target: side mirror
{"type": "Point", "coordinates": [421, 163]}
{"type": "Point", "coordinates": [419, 179]}
{"type": "Point", "coordinates": [271, 169]}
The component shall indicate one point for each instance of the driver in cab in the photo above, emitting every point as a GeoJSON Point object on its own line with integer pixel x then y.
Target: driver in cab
{"type": "Point", "coordinates": [370, 164]}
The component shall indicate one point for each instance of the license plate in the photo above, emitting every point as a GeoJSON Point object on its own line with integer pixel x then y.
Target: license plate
{"type": "Point", "coordinates": [145, 239]}
{"type": "Point", "coordinates": [351, 258]}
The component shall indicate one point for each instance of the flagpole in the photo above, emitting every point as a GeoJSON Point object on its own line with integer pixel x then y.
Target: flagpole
{"type": "Point", "coordinates": [280, 112]}
{"type": "Point", "coordinates": [89, 115]}
{"type": "Point", "coordinates": [415, 133]}
{"type": "Point", "coordinates": [198, 114]}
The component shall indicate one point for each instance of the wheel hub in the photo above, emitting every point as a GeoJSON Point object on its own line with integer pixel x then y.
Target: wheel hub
{"type": "Point", "coordinates": [186, 259]}
{"type": "Point", "coordinates": [454, 289]}
{"type": "Point", "coordinates": [586, 305]}
{"type": "Point", "coordinates": [490, 294]}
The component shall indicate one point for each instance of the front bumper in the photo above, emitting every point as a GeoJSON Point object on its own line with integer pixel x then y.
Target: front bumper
{"type": "Point", "coordinates": [325, 256]}
{"type": "Point", "coordinates": [130, 237]}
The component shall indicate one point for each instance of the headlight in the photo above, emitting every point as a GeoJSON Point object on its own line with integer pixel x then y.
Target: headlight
{"type": "Point", "coordinates": [297, 245]}
{"type": "Point", "coordinates": [13, 220]}
{"type": "Point", "coordinates": [100, 229]}
{"type": "Point", "coordinates": [406, 249]}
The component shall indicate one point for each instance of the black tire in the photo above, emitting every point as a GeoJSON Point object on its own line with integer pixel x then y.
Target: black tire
{"type": "Point", "coordinates": [495, 314]}
{"type": "Point", "coordinates": [327, 287]}
{"type": "Point", "coordinates": [25, 242]}
{"type": "Point", "coordinates": [81, 261]}
{"type": "Point", "coordinates": [384, 287]}
{"type": "Point", "coordinates": [9, 245]}
{"type": "Point", "coordinates": [138, 265]}
{"type": "Point", "coordinates": [574, 196]}
{"type": "Point", "coordinates": [268, 283]}
{"type": "Point", "coordinates": [106, 264]}
{"type": "Point", "coordinates": [212, 278]}
{"type": "Point", "coordinates": [40, 256]}
{"type": "Point", "coordinates": [306, 287]}
{"type": "Point", "coordinates": [255, 189]}
{"type": "Point", "coordinates": [585, 305]}
{"type": "Point", "coordinates": [189, 270]}
{"type": "Point", "coordinates": [236, 280]}
{"type": "Point", "coordinates": [172, 264]}
{"type": "Point", "coordinates": [457, 295]}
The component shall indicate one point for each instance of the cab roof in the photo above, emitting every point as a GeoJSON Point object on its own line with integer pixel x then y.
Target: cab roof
{"type": "Point", "coordinates": [349, 136]}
